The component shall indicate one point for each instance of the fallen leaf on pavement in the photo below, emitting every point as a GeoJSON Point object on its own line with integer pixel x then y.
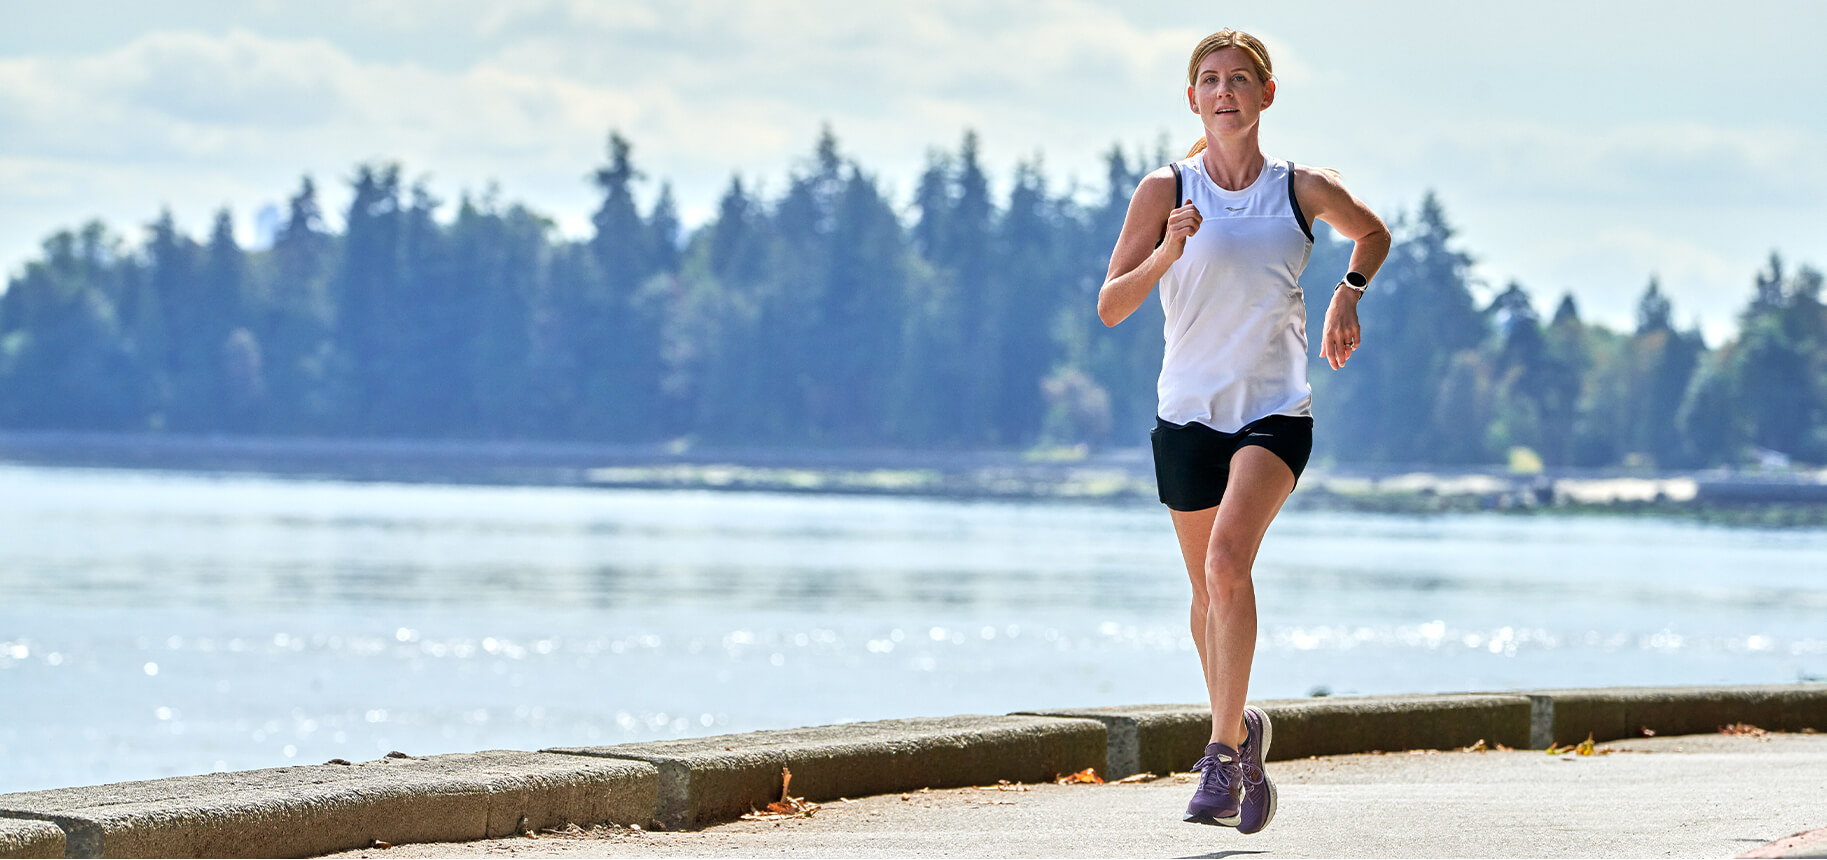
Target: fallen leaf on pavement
{"type": "Point", "coordinates": [787, 806]}
{"type": "Point", "coordinates": [1087, 776]}
{"type": "Point", "coordinates": [1584, 747]}
{"type": "Point", "coordinates": [1001, 785]}
{"type": "Point", "coordinates": [1744, 730]}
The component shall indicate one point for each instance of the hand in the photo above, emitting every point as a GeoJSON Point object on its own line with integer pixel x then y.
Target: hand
{"type": "Point", "coordinates": [1341, 337]}
{"type": "Point", "coordinates": [1181, 223]}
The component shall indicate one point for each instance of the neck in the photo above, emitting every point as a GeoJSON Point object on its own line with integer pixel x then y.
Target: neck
{"type": "Point", "coordinates": [1233, 162]}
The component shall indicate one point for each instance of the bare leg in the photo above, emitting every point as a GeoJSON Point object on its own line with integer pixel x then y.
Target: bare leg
{"type": "Point", "coordinates": [1194, 529]}
{"type": "Point", "coordinates": [1224, 595]}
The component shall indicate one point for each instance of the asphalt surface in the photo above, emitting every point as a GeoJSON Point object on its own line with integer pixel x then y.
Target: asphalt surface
{"type": "Point", "coordinates": [1690, 796]}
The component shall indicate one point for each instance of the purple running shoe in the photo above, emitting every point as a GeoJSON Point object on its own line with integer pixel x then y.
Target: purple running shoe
{"type": "Point", "coordinates": [1258, 789]}
{"type": "Point", "coordinates": [1215, 802]}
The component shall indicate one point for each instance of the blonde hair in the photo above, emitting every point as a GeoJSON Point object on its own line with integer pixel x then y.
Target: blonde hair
{"type": "Point", "coordinates": [1228, 38]}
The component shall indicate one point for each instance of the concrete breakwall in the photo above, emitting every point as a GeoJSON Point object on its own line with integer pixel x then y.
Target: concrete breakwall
{"type": "Point", "coordinates": [316, 809]}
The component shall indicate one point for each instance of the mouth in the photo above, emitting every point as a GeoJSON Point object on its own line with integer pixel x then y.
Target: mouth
{"type": "Point", "coordinates": [1224, 110]}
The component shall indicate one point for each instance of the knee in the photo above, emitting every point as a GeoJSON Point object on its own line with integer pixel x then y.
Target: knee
{"type": "Point", "coordinates": [1227, 574]}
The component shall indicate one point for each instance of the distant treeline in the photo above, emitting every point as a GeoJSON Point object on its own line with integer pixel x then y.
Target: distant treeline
{"type": "Point", "coordinates": [824, 316]}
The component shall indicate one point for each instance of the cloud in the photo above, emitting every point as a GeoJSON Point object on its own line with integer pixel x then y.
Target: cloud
{"type": "Point", "coordinates": [731, 84]}
{"type": "Point", "coordinates": [1612, 261]}
{"type": "Point", "coordinates": [1674, 162]}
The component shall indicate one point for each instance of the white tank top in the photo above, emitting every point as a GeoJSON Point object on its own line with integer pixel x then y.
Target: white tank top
{"type": "Point", "coordinates": [1236, 326]}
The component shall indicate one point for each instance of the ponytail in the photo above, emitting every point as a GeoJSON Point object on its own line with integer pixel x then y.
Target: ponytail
{"type": "Point", "coordinates": [1198, 147]}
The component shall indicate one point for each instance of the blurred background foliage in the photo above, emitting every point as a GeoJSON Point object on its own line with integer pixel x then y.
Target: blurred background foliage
{"type": "Point", "coordinates": [826, 315]}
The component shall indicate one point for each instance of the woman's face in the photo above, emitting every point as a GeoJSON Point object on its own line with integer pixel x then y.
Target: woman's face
{"type": "Point", "coordinates": [1226, 94]}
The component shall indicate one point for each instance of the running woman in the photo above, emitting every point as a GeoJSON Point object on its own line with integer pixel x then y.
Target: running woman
{"type": "Point", "coordinates": [1235, 426]}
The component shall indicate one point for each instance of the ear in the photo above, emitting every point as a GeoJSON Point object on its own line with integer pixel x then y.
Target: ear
{"type": "Point", "coordinates": [1192, 103]}
{"type": "Point", "coordinates": [1268, 94]}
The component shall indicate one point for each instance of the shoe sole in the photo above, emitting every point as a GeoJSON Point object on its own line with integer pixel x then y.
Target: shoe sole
{"type": "Point", "coordinates": [1213, 820]}
{"type": "Point", "coordinates": [1268, 736]}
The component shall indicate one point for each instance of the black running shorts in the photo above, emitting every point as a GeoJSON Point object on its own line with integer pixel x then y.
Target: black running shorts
{"type": "Point", "coordinates": [1193, 461]}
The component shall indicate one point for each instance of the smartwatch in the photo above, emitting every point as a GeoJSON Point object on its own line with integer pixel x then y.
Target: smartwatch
{"type": "Point", "coordinates": [1355, 281]}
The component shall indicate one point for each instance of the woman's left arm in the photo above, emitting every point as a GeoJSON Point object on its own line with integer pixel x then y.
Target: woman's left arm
{"type": "Point", "coordinates": [1323, 198]}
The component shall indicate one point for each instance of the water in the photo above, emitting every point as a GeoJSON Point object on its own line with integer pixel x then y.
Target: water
{"type": "Point", "coordinates": [155, 624]}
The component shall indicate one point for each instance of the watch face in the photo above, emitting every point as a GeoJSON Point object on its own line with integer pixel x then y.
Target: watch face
{"type": "Point", "coordinates": [1356, 280]}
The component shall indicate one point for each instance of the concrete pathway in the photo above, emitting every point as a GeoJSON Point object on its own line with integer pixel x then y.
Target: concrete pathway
{"type": "Point", "coordinates": [1692, 796]}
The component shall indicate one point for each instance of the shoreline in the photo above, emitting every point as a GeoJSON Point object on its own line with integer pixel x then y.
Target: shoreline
{"type": "Point", "coordinates": [1120, 476]}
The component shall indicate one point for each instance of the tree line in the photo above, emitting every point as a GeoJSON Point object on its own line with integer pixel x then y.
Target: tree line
{"type": "Point", "coordinates": [826, 315]}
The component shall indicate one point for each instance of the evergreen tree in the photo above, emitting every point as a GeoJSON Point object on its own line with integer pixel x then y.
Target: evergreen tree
{"type": "Point", "coordinates": [960, 337]}
{"type": "Point", "coordinates": [1028, 304]}
{"type": "Point", "coordinates": [1125, 360]}
{"type": "Point", "coordinates": [430, 343]}
{"type": "Point", "coordinates": [1770, 369]}
{"type": "Point", "coordinates": [502, 261]}
{"type": "Point", "coordinates": [1420, 319]}
{"type": "Point", "coordinates": [714, 346]}
{"type": "Point", "coordinates": [63, 362]}
{"type": "Point", "coordinates": [820, 317]}
{"type": "Point", "coordinates": [296, 326]}
{"type": "Point", "coordinates": [232, 385]}
{"type": "Point", "coordinates": [616, 335]}
{"type": "Point", "coordinates": [365, 295]}
{"type": "Point", "coordinates": [1664, 361]}
{"type": "Point", "coordinates": [1764, 388]}
{"type": "Point", "coordinates": [1568, 361]}
{"type": "Point", "coordinates": [1523, 372]}
{"type": "Point", "coordinates": [184, 371]}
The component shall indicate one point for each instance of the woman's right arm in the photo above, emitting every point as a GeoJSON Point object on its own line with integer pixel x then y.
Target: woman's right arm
{"type": "Point", "coordinates": [1137, 263]}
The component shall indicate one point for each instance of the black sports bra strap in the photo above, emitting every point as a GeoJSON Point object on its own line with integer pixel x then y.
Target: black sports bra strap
{"type": "Point", "coordinates": [1294, 203]}
{"type": "Point", "coordinates": [1178, 190]}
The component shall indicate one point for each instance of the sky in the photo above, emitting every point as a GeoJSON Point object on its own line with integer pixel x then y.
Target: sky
{"type": "Point", "coordinates": [1578, 147]}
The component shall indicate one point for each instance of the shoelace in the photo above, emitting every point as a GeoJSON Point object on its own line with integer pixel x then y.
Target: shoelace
{"type": "Point", "coordinates": [1252, 775]}
{"type": "Point", "coordinates": [1250, 770]}
{"type": "Point", "coordinates": [1216, 777]}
